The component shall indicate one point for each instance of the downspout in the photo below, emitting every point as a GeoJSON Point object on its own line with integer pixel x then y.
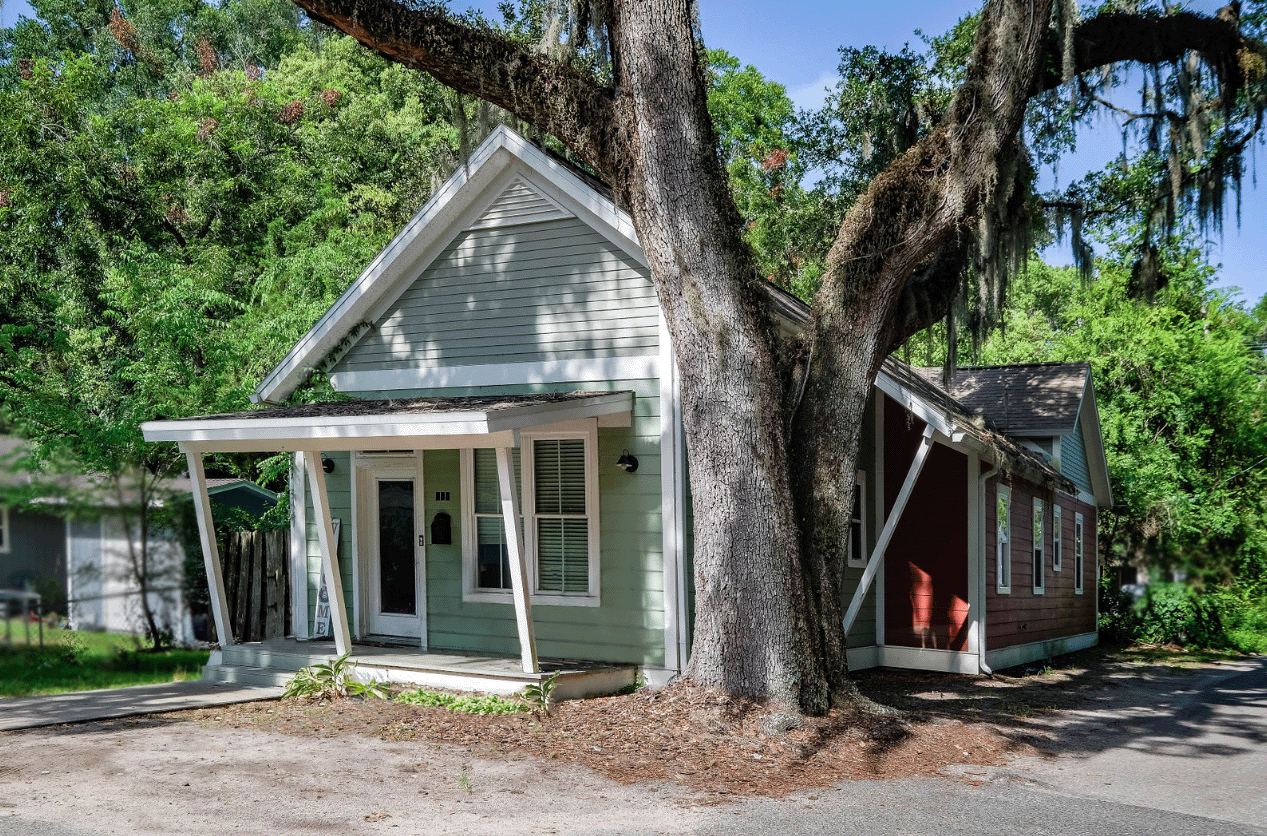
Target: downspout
{"type": "Point", "coordinates": [983, 586]}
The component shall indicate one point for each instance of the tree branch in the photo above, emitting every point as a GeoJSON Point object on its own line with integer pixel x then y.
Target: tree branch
{"type": "Point", "coordinates": [553, 96]}
{"type": "Point", "coordinates": [1117, 37]}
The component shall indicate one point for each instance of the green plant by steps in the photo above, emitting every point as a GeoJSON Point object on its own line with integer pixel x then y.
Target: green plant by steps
{"type": "Point", "coordinates": [489, 704]}
{"type": "Point", "coordinates": [333, 679]}
{"type": "Point", "coordinates": [538, 695]}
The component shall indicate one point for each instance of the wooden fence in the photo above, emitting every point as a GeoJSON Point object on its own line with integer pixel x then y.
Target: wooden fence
{"type": "Point", "coordinates": [257, 584]}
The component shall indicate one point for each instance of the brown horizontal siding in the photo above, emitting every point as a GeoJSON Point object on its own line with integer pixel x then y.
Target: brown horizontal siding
{"type": "Point", "coordinates": [926, 563]}
{"type": "Point", "coordinates": [1024, 616]}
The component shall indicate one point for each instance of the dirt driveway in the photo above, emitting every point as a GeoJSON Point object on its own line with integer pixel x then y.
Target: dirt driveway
{"type": "Point", "coordinates": [285, 768]}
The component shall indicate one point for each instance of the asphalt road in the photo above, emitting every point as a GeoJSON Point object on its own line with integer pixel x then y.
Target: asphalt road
{"type": "Point", "coordinates": [1177, 760]}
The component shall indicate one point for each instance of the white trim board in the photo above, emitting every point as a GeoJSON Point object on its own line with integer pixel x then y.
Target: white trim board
{"type": "Point", "coordinates": [500, 374]}
{"type": "Point", "coordinates": [928, 659]}
{"type": "Point", "coordinates": [1019, 654]}
{"type": "Point", "coordinates": [406, 430]}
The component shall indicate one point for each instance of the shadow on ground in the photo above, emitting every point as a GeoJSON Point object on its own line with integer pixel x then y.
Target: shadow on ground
{"type": "Point", "coordinates": [1163, 702]}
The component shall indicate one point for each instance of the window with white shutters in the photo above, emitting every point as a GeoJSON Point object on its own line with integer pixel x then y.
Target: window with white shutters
{"type": "Point", "coordinates": [557, 480]}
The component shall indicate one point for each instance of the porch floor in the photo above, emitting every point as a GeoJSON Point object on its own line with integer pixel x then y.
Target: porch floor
{"type": "Point", "coordinates": [274, 662]}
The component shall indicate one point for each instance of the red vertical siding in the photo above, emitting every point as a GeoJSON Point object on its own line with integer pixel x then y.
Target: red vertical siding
{"type": "Point", "coordinates": [1023, 616]}
{"type": "Point", "coordinates": [926, 564]}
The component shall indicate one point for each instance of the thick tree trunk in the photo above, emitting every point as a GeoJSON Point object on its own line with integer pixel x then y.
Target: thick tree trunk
{"type": "Point", "coordinates": [751, 633]}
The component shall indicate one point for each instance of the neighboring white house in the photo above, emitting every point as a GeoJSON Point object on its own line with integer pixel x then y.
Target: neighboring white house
{"type": "Point", "coordinates": [90, 552]}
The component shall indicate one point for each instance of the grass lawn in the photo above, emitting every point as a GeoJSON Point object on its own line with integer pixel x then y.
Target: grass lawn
{"type": "Point", "coordinates": [72, 661]}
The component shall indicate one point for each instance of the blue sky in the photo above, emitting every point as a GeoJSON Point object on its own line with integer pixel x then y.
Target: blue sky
{"type": "Point", "coordinates": [795, 43]}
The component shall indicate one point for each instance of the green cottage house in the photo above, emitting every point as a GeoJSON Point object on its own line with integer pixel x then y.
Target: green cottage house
{"type": "Point", "coordinates": [505, 496]}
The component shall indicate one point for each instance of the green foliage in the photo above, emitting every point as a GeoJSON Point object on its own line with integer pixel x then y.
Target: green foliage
{"type": "Point", "coordinates": [540, 695]}
{"type": "Point", "coordinates": [1181, 395]}
{"type": "Point", "coordinates": [1174, 613]}
{"type": "Point", "coordinates": [326, 680]}
{"type": "Point", "coordinates": [787, 227]}
{"type": "Point", "coordinates": [464, 704]}
{"type": "Point", "coordinates": [74, 661]}
{"type": "Point", "coordinates": [183, 191]}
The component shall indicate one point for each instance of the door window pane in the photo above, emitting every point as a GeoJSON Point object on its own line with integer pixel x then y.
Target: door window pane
{"type": "Point", "coordinates": [397, 588]}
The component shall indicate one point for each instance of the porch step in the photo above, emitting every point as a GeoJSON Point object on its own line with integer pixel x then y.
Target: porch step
{"type": "Point", "coordinates": [278, 659]}
{"type": "Point", "coordinates": [245, 675]}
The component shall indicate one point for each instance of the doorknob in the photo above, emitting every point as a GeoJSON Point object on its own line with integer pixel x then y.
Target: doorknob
{"type": "Point", "coordinates": [422, 541]}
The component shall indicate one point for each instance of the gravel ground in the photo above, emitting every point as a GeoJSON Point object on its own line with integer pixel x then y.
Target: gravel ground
{"type": "Point", "coordinates": [682, 761]}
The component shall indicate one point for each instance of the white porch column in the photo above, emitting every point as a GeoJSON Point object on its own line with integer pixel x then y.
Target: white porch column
{"type": "Point", "coordinates": [325, 536]}
{"type": "Point", "coordinates": [890, 525]}
{"type": "Point", "coordinates": [518, 562]}
{"type": "Point", "coordinates": [210, 554]}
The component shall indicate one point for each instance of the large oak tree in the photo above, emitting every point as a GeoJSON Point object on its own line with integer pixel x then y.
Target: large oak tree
{"type": "Point", "coordinates": [772, 425]}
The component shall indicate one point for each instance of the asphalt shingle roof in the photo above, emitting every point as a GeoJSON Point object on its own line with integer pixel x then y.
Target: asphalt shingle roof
{"type": "Point", "coordinates": [1025, 399]}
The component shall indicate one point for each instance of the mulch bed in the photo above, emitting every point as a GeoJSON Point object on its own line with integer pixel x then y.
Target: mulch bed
{"type": "Point", "coordinates": [721, 747]}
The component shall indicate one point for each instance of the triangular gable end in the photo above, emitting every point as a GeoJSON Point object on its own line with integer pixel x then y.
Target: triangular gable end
{"type": "Point", "coordinates": [520, 203]}
{"type": "Point", "coordinates": [507, 173]}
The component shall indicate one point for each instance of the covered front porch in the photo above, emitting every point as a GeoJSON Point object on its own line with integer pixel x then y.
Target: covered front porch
{"type": "Point", "coordinates": [402, 430]}
{"type": "Point", "coordinates": [275, 661]}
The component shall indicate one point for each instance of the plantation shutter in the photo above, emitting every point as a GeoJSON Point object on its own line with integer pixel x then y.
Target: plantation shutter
{"type": "Point", "coordinates": [562, 525]}
{"type": "Point", "coordinates": [492, 555]}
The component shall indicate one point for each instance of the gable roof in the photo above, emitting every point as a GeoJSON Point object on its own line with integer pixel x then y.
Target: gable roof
{"type": "Point", "coordinates": [535, 186]}
{"type": "Point", "coordinates": [1028, 399]}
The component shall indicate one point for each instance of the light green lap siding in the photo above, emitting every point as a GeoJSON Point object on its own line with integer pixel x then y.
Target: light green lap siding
{"type": "Point", "coordinates": [555, 290]}
{"type": "Point", "coordinates": [1073, 458]}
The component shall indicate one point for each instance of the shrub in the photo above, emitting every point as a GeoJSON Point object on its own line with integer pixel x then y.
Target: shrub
{"type": "Point", "coordinates": [489, 704]}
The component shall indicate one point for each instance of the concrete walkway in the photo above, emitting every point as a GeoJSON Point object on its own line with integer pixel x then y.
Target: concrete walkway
{"type": "Point", "coordinates": [81, 706]}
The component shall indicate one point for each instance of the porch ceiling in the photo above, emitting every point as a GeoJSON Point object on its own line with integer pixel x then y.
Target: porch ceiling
{"type": "Point", "coordinates": [407, 424]}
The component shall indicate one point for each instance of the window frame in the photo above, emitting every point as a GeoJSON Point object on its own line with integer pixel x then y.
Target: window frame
{"type": "Point", "coordinates": [1003, 541]}
{"type": "Point", "coordinates": [1038, 550]}
{"type": "Point", "coordinates": [1079, 552]}
{"type": "Point", "coordinates": [528, 521]}
{"type": "Point", "coordinates": [1057, 537]}
{"type": "Point", "coordinates": [6, 533]}
{"type": "Point", "coordinates": [860, 488]}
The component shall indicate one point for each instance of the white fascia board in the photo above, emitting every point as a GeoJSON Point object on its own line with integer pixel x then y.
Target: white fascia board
{"type": "Point", "coordinates": [535, 415]}
{"type": "Point", "coordinates": [914, 404]}
{"type": "Point", "coordinates": [355, 431]}
{"type": "Point", "coordinates": [1093, 443]}
{"type": "Point", "coordinates": [457, 203]}
{"type": "Point", "coordinates": [316, 428]}
{"type": "Point", "coordinates": [588, 370]}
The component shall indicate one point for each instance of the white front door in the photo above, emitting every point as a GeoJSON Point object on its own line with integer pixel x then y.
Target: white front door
{"type": "Point", "coordinates": [395, 599]}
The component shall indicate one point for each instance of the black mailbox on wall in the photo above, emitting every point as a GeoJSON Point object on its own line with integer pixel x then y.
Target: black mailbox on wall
{"type": "Point", "coordinates": [442, 530]}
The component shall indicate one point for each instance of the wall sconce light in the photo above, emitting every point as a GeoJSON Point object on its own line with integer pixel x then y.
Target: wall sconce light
{"type": "Point", "coordinates": [327, 464]}
{"type": "Point", "coordinates": [627, 462]}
